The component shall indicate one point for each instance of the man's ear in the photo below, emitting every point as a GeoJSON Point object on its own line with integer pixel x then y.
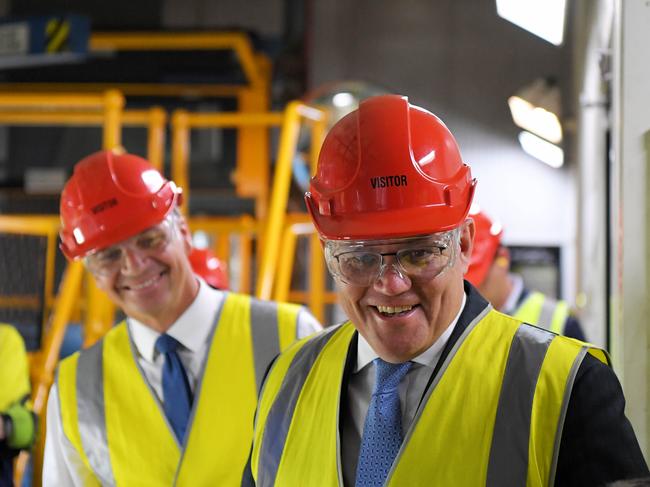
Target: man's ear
{"type": "Point", "coordinates": [467, 232]}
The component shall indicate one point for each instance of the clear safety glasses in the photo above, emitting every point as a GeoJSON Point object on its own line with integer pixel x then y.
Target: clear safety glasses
{"type": "Point", "coordinates": [155, 239]}
{"type": "Point", "coordinates": [362, 263]}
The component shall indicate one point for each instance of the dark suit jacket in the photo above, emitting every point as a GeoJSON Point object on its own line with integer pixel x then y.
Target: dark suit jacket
{"type": "Point", "coordinates": [598, 444]}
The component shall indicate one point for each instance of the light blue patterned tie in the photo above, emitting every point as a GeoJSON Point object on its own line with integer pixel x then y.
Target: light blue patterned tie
{"type": "Point", "coordinates": [382, 432]}
{"type": "Point", "coordinates": [177, 395]}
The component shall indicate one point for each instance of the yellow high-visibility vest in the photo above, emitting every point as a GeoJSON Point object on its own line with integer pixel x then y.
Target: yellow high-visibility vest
{"type": "Point", "coordinates": [14, 370]}
{"type": "Point", "coordinates": [492, 415]}
{"type": "Point", "coordinates": [118, 426]}
{"type": "Point", "coordinates": [544, 312]}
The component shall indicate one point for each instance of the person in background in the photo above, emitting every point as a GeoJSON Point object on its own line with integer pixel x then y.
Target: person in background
{"type": "Point", "coordinates": [489, 272]}
{"type": "Point", "coordinates": [426, 384]}
{"type": "Point", "coordinates": [17, 422]}
{"type": "Point", "coordinates": [167, 397]}
{"type": "Point", "coordinates": [212, 269]}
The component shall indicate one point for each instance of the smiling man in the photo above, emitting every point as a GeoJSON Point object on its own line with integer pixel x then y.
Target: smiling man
{"type": "Point", "coordinates": [168, 396]}
{"type": "Point", "coordinates": [426, 384]}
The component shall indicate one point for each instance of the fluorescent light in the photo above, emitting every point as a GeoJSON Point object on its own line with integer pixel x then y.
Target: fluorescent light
{"type": "Point", "coordinates": [541, 149]}
{"type": "Point", "coordinates": [343, 99]}
{"type": "Point", "coordinates": [544, 18]}
{"type": "Point", "coordinates": [535, 119]}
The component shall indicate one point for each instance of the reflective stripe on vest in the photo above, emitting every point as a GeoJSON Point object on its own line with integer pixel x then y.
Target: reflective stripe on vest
{"type": "Point", "coordinates": [115, 421]}
{"type": "Point", "coordinates": [492, 416]}
{"type": "Point", "coordinates": [538, 309]}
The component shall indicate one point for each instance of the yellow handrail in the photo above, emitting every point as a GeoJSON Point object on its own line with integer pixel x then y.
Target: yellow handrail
{"type": "Point", "coordinates": [180, 41]}
{"type": "Point", "coordinates": [300, 225]}
{"type": "Point", "coordinates": [36, 225]}
{"type": "Point", "coordinates": [184, 121]}
{"type": "Point", "coordinates": [294, 113]}
{"type": "Point", "coordinates": [290, 121]}
{"type": "Point", "coordinates": [245, 228]}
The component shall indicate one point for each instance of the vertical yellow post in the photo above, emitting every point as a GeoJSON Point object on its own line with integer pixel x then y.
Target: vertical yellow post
{"type": "Point", "coordinates": [285, 264]}
{"type": "Point", "coordinates": [156, 138]}
{"type": "Point", "coordinates": [113, 106]}
{"type": "Point", "coordinates": [50, 268]}
{"type": "Point", "coordinates": [253, 158]}
{"type": "Point", "coordinates": [180, 155]}
{"type": "Point", "coordinates": [279, 197]}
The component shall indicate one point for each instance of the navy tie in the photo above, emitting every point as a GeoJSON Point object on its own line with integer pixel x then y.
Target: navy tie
{"type": "Point", "coordinates": [177, 395]}
{"type": "Point", "coordinates": [382, 432]}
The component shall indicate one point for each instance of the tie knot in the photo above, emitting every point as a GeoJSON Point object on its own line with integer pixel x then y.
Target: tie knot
{"type": "Point", "coordinates": [167, 344]}
{"type": "Point", "coordinates": [388, 376]}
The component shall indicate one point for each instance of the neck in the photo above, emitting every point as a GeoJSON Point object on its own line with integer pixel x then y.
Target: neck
{"type": "Point", "coordinates": [166, 316]}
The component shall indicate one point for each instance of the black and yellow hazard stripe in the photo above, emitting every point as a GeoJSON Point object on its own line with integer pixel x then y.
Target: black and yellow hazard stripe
{"type": "Point", "coordinates": [57, 34]}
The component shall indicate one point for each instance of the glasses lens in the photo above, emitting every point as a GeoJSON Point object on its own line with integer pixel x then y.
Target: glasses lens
{"type": "Point", "coordinates": [108, 260]}
{"type": "Point", "coordinates": [425, 262]}
{"type": "Point", "coordinates": [359, 267]}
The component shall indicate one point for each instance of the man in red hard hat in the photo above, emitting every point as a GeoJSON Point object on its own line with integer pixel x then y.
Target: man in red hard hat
{"type": "Point", "coordinates": [489, 272]}
{"type": "Point", "coordinates": [168, 396]}
{"type": "Point", "coordinates": [426, 384]}
{"type": "Point", "coordinates": [210, 267]}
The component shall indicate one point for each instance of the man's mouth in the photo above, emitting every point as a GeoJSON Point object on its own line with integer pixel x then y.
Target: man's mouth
{"type": "Point", "coordinates": [144, 284]}
{"type": "Point", "coordinates": [394, 310]}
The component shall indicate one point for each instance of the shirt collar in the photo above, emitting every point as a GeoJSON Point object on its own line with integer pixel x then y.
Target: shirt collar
{"type": "Point", "coordinates": [513, 298]}
{"type": "Point", "coordinates": [191, 329]}
{"type": "Point", "coordinates": [428, 358]}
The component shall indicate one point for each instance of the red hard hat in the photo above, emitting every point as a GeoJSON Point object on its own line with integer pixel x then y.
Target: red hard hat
{"type": "Point", "coordinates": [389, 169]}
{"type": "Point", "coordinates": [210, 267]}
{"type": "Point", "coordinates": [109, 198]}
{"type": "Point", "coordinates": [487, 239]}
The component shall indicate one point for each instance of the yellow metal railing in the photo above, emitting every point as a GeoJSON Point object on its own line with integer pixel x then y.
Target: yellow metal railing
{"type": "Point", "coordinates": [57, 312]}
{"type": "Point", "coordinates": [254, 65]}
{"type": "Point", "coordinates": [53, 108]}
{"type": "Point", "coordinates": [83, 109]}
{"type": "Point", "coordinates": [57, 109]}
{"type": "Point", "coordinates": [271, 213]}
{"type": "Point", "coordinates": [43, 226]}
{"type": "Point", "coordinates": [183, 41]}
{"type": "Point", "coordinates": [253, 173]}
{"type": "Point", "coordinates": [253, 96]}
{"type": "Point", "coordinates": [298, 225]}
{"type": "Point", "coordinates": [294, 114]}
{"type": "Point", "coordinates": [224, 229]}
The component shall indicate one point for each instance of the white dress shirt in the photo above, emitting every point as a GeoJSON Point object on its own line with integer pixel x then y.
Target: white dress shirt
{"type": "Point", "coordinates": [62, 465]}
{"type": "Point", "coordinates": [360, 386]}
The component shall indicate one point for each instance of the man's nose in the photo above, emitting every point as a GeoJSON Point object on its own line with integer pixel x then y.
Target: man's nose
{"type": "Point", "coordinates": [132, 260]}
{"type": "Point", "coordinates": [392, 280]}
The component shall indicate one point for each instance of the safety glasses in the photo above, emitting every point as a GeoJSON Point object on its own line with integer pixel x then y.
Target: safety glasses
{"type": "Point", "coordinates": [110, 259]}
{"type": "Point", "coordinates": [362, 263]}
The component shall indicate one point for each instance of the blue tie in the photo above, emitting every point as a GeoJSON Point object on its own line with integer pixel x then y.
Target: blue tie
{"type": "Point", "coordinates": [177, 396]}
{"type": "Point", "coordinates": [382, 433]}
